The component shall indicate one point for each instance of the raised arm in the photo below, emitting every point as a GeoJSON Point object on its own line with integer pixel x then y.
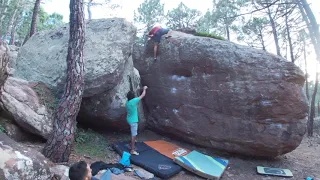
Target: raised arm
{"type": "Point", "coordinates": [143, 93]}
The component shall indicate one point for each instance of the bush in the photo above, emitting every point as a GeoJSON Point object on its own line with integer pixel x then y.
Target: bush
{"type": "Point", "coordinates": [204, 34]}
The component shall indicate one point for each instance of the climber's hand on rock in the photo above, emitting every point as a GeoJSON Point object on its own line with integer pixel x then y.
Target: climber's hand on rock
{"type": "Point", "coordinates": [145, 87]}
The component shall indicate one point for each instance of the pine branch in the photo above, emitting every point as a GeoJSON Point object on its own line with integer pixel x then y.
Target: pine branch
{"type": "Point", "coordinates": [260, 9]}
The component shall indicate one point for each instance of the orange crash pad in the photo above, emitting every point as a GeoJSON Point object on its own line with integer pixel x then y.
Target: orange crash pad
{"type": "Point", "coordinates": [168, 149]}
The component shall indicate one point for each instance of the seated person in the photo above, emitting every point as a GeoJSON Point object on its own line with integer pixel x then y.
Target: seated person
{"type": "Point", "coordinates": [80, 171]}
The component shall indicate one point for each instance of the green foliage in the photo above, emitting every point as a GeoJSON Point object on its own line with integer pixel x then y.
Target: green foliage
{"type": "Point", "coordinates": [90, 143]}
{"type": "Point", "coordinates": [149, 13]}
{"type": "Point", "coordinates": [255, 25]}
{"type": "Point", "coordinates": [182, 17]}
{"type": "Point", "coordinates": [225, 13]}
{"type": "Point", "coordinates": [253, 32]}
{"type": "Point", "coordinates": [205, 23]}
{"type": "Point", "coordinates": [24, 10]}
{"type": "Point", "coordinates": [210, 35]}
{"type": "Point", "coordinates": [47, 21]}
{"type": "Point", "coordinates": [2, 129]}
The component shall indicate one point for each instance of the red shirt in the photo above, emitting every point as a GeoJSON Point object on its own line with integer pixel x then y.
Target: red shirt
{"type": "Point", "coordinates": [154, 30]}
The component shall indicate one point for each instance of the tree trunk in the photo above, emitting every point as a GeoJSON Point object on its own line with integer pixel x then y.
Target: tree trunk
{"type": "Point", "coordinates": [274, 32]}
{"type": "Point", "coordinates": [262, 40]}
{"type": "Point", "coordinates": [312, 108]}
{"type": "Point", "coordinates": [312, 25]}
{"type": "Point", "coordinates": [228, 32]}
{"type": "Point", "coordinates": [289, 36]}
{"type": "Point", "coordinates": [34, 17]}
{"type": "Point", "coordinates": [318, 108]}
{"type": "Point", "coordinates": [306, 69]}
{"type": "Point", "coordinates": [10, 24]}
{"type": "Point", "coordinates": [4, 4]}
{"type": "Point", "coordinates": [4, 60]}
{"type": "Point", "coordinates": [313, 28]}
{"type": "Point", "coordinates": [89, 10]}
{"type": "Point", "coordinates": [58, 146]}
{"type": "Point", "coordinates": [13, 31]}
{"type": "Point", "coordinates": [26, 38]}
{"type": "Point", "coordinates": [263, 44]}
{"type": "Point", "coordinates": [312, 19]}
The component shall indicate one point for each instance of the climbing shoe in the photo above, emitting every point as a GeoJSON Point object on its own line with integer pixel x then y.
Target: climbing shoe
{"type": "Point", "coordinates": [134, 153]}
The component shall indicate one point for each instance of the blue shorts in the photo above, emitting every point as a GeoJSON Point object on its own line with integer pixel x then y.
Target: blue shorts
{"type": "Point", "coordinates": [134, 129]}
{"type": "Point", "coordinates": [159, 33]}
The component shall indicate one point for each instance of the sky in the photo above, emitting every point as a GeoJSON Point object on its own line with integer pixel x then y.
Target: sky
{"type": "Point", "coordinates": [128, 7]}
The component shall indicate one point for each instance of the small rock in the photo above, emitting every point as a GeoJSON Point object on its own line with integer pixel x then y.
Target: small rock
{"type": "Point", "coordinates": [145, 173]}
{"type": "Point", "coordinates": [60, 171]}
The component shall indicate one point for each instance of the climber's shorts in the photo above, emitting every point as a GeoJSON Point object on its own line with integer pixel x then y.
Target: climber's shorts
{"type": "Point", "coordinates": [134, 129]}
{"type": "Point", "coordinates": [159, 33]}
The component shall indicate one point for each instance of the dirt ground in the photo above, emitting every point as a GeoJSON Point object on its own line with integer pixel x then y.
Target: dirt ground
{"type": "Point", "coordinates": [303, 162]}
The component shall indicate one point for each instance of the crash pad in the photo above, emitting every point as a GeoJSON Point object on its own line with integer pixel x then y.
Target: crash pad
{"type": "Point", "coordinates": [203, 165]}
{"type": "Point", "coordinates": [150, 159]}
{"type": "Point", "coordinates": [274, 171]}
{"type": "Point", "coordinates": [168, 149]}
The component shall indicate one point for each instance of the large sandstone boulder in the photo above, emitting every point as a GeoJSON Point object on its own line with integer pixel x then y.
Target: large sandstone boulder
{"type": "Point", "coordinates": [20, 162]}
{"type": "Point", "coordinates": [108, 62]}
{"type": "Point", "coordinates": [108, 45]}
{"type": "Point", "coordinates": [22, 102]}
{"type": "Point", "coordinates": [110, 105]}
{"type": "Point", "coordinates": [222, 95]}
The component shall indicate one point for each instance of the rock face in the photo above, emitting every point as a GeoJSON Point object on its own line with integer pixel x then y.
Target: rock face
{"type": "Point", "coordinates": [24, 105]}
{"type": "Point", "coordinates": [13, 54]}
{"type": "Point", "coordinates": [16, 133]}
{"type": "Point", "coordinates": [110, 105]}
{"type": "Point", "coordinates": [107, 57]}
{"type": "Point", "coordinates": [225, 96]}
{"type": "Point", "coordinates": [108, 45]}
{"type": "Point", "coordinates": [20, 162]}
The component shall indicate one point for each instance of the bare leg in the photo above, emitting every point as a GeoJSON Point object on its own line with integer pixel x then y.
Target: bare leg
{"type": "Point", "coordinates": [133, 140]}
{"type": "Point", "coordinates": [155, 50]}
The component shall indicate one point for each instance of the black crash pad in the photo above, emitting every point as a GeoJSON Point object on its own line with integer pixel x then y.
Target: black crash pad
{"type": "Point", "coordinates": [150, 159]}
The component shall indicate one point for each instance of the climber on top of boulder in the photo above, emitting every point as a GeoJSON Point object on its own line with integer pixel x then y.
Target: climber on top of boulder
{"type": "Point", "coordinates": [156, 33]}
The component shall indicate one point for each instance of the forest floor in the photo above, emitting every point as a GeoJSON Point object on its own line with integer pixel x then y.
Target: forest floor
{"type": "Point", "coordinates": [303, 161]}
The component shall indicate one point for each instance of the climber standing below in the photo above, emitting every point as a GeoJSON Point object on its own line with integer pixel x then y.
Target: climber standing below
{"type": "Point", "coordinates": [156, 33]}
{"type": "Point", "coordinates": [132, 116]}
